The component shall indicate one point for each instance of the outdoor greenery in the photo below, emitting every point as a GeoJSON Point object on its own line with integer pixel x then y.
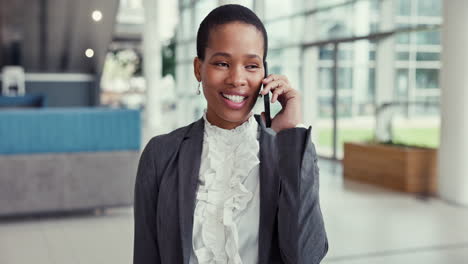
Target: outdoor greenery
{"type": "Point", "coordinates": [427, 137]}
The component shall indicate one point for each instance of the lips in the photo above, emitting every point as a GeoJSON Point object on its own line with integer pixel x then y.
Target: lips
{"type": "Point", "coordinates": [234, 101]}
{"type": "Point", "coordinates": [234, 97]}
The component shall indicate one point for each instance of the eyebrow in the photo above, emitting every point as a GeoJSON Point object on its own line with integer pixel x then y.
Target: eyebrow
{"type": "Point", "coordinates": [224, 54]}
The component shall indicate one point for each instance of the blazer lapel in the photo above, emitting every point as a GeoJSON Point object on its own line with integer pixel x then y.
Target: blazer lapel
{"type": "Point", "coordinates": [188, 170]}
{"type": "Point", "coordinates": [269, 191]}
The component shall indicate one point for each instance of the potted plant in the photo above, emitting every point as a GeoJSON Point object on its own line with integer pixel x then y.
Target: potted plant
{"type": "Point", "coordinates": [388, 164]}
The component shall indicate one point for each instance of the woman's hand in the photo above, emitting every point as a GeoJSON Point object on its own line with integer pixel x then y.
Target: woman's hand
{"type": "Point", "coordinates": [290, 115]}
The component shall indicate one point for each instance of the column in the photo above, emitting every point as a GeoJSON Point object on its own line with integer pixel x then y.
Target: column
{"type": "Point", "coordinates": [385, 55]}
{"type": "Point", "coordinates": [152, 119]}
{"type": "Point", "coordinates": [361, 56]}
{"type": "Point", "coordinates": [309, 73]}
{"type": "Point", "coordinates": [385, 66]}
{"type": "Point", "coordinates": [453, 151]}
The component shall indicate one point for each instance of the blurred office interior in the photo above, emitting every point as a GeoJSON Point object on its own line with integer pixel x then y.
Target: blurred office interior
{"type": "Point", "coordinates": [79, 76]}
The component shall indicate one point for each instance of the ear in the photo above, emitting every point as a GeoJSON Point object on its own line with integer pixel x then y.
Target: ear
{"type": "Point", "coordinates": [197, 63]}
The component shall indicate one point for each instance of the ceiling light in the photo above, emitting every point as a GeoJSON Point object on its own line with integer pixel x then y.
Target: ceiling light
{"type": "Point", "coordinates": [96, 15]}
{"type": "Point", "coordinates": [89, 53]}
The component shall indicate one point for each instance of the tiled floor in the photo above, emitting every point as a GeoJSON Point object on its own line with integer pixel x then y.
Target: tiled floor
{"type": "Point", "coordinates": [365, 225]}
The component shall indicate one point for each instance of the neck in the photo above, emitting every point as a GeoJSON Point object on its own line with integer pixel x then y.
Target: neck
{"type": "Point", "coordinates": [215, 120]}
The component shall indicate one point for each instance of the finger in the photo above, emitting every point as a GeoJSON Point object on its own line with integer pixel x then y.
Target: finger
{"type": "Point", "coordinates": [268, 79]}
{"type": "Point", "coordinates": [272, 86]}
{"type": "Point", "coordinates": [275, 77]}
{"type": "Point", "coordinates": [276, 93]}
{"type": "Point", "coordinates": [272, 78]}
{"type": "Point", "coordinates": [266, 89]}
{"type": "Point", "coordinates": [263, 117]}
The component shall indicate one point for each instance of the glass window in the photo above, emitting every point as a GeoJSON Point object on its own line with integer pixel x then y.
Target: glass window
{"type": "Point", "coordinates": [403, 7]}
{"type": "Point", "coordinates": [202, 8]}
{"type": "Point", "coordinates": [326, 53]}
{"type": "Point", "coordinates": [274, 61]}
{"type": "Point", "coordinates": [427, 78]}
{"type": "Point", "coordinates": [277, 33]}
{"type": "Point", "coordinates": [291, 61]}
{"type": "Point", "coordinates": [345, 55]}
{"type": "Point", "coordinates": [401, 83]}
{"type": "Point", "coordinates": [285, 31]}
{"type": "Point", "coordinates": [325, 107]}
{"type": "Point", "coordinates": [191, 50]}
{"type": "Point", "coordinates": [375, 6]}
{"type": "Point", "coordinates": [187, 29]}
{"type": "Point", "coordinates": [402, 38]}
{"type": "Point", "coordinates": [185, 2]}
{"type": "Point", "coordinates": [180, 52]}
{"type": "Point", "coordinates": [246, 3]}
{"type": "Point", "coordinates": [285, 61]}
{"type": "Point", "coordinates": [428, 56]}
{"type": "Point", "coordinates": [335, 23]}
{"type": "Point", "coordinates": [374, 27]}
{"type": "Point", "coordinates": [356, 72]}
{"type": "Point", "coordinates": [402, 56]}
{"type": "Point", "coordinates": [329, 3]}
{"type": "Point", "coordinates": [345, 78]}
{"type": "Point", "coordinates": [345, 106]}
{"type": "Point", "coordinates": [296, 31]}
{"type": "Point", "coordinates": [428, 37]}
{"type": "Point", "coordinates": [280, 8]}
{"type": "Point", "coordinates": [430, 106]}
{"type": "Point", "coordinates": [186, 80]}
{"type": "Point", "coordinates": [371, 83]}
{"type": "Point", "coordinates": [325, 78]}
{"type": "Point", "coordinates": [429, 7]}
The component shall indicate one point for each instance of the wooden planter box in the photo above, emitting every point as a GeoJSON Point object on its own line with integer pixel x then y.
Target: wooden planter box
{"type": "Point", "coordinates": [406, 169]}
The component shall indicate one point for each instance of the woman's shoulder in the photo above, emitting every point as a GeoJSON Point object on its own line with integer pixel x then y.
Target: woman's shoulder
{"type": "Point", "coordinates": [171, 140]}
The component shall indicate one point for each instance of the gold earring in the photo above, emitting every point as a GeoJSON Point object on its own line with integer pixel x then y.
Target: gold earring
{"type": "Point", "coordinates": [198, 89]}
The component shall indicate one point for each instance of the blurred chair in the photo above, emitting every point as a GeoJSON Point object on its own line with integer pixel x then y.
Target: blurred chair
{"type": "Point", "coordinates": [13, 81]}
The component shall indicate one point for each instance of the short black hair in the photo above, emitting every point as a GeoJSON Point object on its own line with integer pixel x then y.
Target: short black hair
{"type": "Point", "coordinates": [227, 14]}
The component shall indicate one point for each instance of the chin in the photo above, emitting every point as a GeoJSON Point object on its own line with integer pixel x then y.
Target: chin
{"type": "Point", "coordinates": [235, 116]}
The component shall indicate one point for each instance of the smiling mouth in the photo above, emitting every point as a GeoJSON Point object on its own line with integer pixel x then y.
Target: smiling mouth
{"type": "Point", "coordinates": [234, 98]}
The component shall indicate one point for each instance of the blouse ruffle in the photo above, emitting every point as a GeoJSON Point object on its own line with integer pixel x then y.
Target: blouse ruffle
{"type": "Point", "coordinates": [228, 157]}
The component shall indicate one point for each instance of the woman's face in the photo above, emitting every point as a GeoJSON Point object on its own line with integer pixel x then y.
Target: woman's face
{"type": "Point", "coordinates": [231, 73]}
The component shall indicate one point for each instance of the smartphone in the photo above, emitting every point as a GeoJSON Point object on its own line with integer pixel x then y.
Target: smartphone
{"type": "Point", "coordinates": [266, 99]}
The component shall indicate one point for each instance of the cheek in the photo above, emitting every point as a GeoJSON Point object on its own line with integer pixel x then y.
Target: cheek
{"type": "Point", "coordinates": [212, 77]}
{"type": "Point", "coordinates": [256, 81]}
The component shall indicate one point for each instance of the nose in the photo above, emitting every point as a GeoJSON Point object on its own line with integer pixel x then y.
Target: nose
{"type": "Point", "coordinates": [237, 76]}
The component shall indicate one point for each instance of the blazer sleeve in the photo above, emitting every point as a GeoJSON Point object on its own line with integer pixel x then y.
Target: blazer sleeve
{"type": "Point", "coordinates": [301, 231]}
{"type": "Point", "coordinates": [145, 246]}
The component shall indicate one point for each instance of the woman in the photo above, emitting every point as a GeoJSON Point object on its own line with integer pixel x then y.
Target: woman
{"type": "Point", "coordinates": [226, 189]}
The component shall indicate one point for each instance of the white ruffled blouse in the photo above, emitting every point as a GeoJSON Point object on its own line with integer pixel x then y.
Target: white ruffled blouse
{"type": "Point", "coordinates": [227, 210]}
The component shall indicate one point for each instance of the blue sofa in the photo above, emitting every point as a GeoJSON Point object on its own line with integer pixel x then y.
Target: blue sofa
{"type": "Point", "coordinates": [28, 100]}
{"type": "Point", "coordinates": [62, 159]}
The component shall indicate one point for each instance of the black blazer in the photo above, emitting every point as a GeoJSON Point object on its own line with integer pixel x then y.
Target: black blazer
{"type": "Point", "coordinates": [291, 225]}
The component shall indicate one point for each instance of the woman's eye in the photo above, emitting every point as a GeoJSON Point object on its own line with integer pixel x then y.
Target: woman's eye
{"type": "Point", "coordinates": [221, 64]}
{"type": "Point", "coordinates": [252, 66]}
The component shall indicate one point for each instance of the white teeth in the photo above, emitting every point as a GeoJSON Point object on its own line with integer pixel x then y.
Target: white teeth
{"type": "Point", "coordinates": [234, 98]}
